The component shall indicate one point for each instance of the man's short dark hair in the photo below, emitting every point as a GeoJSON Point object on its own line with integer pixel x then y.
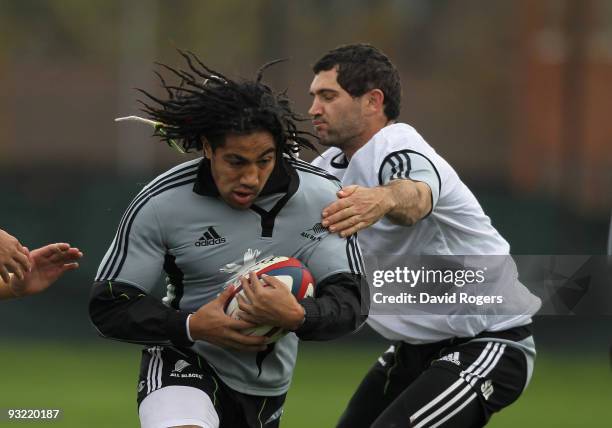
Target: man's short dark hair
{"type": "Point", "coordinates": [361, 68]}
{"type": "Point", "coordinates": [207, 106]}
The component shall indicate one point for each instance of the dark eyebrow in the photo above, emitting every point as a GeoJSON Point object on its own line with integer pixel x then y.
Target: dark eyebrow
{"type": "Point", "coordinates": [270, 150]}
{"type": "Point", "coordinates": [319, 91]}
{"type": "Point", "coordinates": [236, 156]}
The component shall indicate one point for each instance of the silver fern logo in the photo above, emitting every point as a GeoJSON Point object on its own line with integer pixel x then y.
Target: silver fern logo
{"type": "Point", "coordinates": [314, 232]}
{"type": "Point", "coordinates": [317, 229]}
{"type": "Point", "coordinates": [180, 366]}
{"type": "Point", "coordinates": [248, 260]}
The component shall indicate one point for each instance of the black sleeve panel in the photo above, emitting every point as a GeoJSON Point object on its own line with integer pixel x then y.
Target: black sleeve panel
{"type": "Point", "coordinates": [336, 309]}
{"type": "Point", "coordinates": [123, 312]}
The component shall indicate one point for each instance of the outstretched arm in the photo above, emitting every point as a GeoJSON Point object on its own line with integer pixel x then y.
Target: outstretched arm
{"type": "Point", "coordinates": [409, 186]}
{"type": "Point", "coordinates": [5, 289]}
{"type": "Point", "coordinates": [13, 258]}
{"type": "Point", "coordinates": [47, 263]}
{"type": "Point", "coordinates": [403, 202]}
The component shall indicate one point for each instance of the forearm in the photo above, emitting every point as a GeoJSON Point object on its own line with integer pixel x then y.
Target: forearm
{"type": "Point", "coordinates": [5, 290]}
{"type": "Point", "coordinates": [336, 310]}
{"type": "Point", "coordinates": [122, 312]}
{"type": "Point", "coordinates": [409, 201]}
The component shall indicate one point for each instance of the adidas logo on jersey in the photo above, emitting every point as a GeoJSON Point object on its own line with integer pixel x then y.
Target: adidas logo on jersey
{"type": "Point", "coordinates": [451, 358]}
{"type": "Point", "coordinates": [312, 233]}
{"type": "Point", "coordinates": [210, 237]}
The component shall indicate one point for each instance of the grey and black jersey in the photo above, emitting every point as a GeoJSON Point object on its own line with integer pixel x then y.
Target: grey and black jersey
{"type": "Point", "coordinates": [179, 226]}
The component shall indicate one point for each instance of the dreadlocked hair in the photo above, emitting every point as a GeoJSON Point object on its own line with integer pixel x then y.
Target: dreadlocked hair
{"type": "Point", "coordinates": [206, 106]}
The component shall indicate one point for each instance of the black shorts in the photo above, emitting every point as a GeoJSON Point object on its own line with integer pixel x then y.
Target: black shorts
{"type": "Point", "coordinates": [455, 383]}
{"type": "Point", "coordinates": [164, 366]}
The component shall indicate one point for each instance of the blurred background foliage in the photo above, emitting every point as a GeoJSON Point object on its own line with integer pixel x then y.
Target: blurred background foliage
{"type": "Point", "coordinates": [515, 94]}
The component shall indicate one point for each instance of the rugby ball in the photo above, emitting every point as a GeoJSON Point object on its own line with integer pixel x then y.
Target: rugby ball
{"type": "Point", "coordinates": [291, 272]}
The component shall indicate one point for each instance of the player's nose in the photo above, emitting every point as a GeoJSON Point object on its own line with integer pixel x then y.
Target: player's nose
{"type": "Point", "coordinates": [315, 108]}
{"type": "Point", "coordinates": [250, 177]}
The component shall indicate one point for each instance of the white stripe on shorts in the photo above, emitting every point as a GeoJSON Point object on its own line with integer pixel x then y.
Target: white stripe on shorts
{"type": "Point", "coordinates": [435, 401]}
{"type": "Point", "coordinates": [153, 377]}
{"type": "Point", "coordinates": [482, 366]}
{"type": "Point", "coordinates": [150, 350]}
{"type": "Point", "coordinates": [159, 368]}
{"type": "Point", "coordinates": [502, 348]}
{"type": "Point", "coordinates": [443, 408]}
{"type": "Point", "coordinates": [489, 363]}
{"type": "Point", "coordinates": [457, 410]}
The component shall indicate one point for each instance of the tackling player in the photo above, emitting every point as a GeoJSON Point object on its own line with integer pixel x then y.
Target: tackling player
{"type": "Point", "coordinates": [205, 223]}
{"type": "Point", "coordinates": [454, 368]}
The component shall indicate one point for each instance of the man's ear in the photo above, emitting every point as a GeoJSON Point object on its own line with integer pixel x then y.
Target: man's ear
{"type": "Point", "coordinates": [375, 100]}
{"type": "Point", "coordinates": [207, 150]}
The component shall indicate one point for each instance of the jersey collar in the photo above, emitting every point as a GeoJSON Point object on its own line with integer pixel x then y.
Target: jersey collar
{"type": "Point", "coordinates": [284, 179]}
{"type": "Point", "coordinates": [339, 161]}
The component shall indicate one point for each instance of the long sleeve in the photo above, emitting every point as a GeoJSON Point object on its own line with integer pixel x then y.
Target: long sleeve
{"type": "Point", "coordinates": [338, 308]}
{"type": "Point", "coordinates": [123, 312]}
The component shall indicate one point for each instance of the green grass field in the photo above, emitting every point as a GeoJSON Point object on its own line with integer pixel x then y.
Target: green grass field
{"type": "Point", "coordinates": [95, 386]}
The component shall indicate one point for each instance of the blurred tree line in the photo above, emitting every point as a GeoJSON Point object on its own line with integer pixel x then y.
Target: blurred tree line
{"type": "Point", "coordinates": [490, 85]}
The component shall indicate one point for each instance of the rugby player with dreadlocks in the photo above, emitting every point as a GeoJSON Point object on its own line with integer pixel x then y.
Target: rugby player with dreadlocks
{"type": "Point", "coordinates": [204, 222]}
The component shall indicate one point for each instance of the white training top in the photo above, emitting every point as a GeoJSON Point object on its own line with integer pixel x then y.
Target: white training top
{"type": "Point", "coordinates": [457, 225]}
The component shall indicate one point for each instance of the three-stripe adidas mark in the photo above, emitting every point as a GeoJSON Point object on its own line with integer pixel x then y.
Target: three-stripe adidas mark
{"type": "Point", "coordinates": [462, 392]}
{"type": "Point", "coordinates": [154, 371]}
{"type": "Point", "coordinates": [210, 237]}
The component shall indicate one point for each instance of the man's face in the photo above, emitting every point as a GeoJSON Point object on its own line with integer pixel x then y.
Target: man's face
{"type": "Point", "coordinates": [336, 116]}
{"type": "Point", "coordinates": [241, 167]}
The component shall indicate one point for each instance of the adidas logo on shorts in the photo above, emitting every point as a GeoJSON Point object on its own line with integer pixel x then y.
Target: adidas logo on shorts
{"type": "Point", "coordinates": [451, 358]}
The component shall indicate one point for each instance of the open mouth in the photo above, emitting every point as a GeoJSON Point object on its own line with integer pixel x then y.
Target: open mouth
{"type": "Point", "coordinates": [243, 197]}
